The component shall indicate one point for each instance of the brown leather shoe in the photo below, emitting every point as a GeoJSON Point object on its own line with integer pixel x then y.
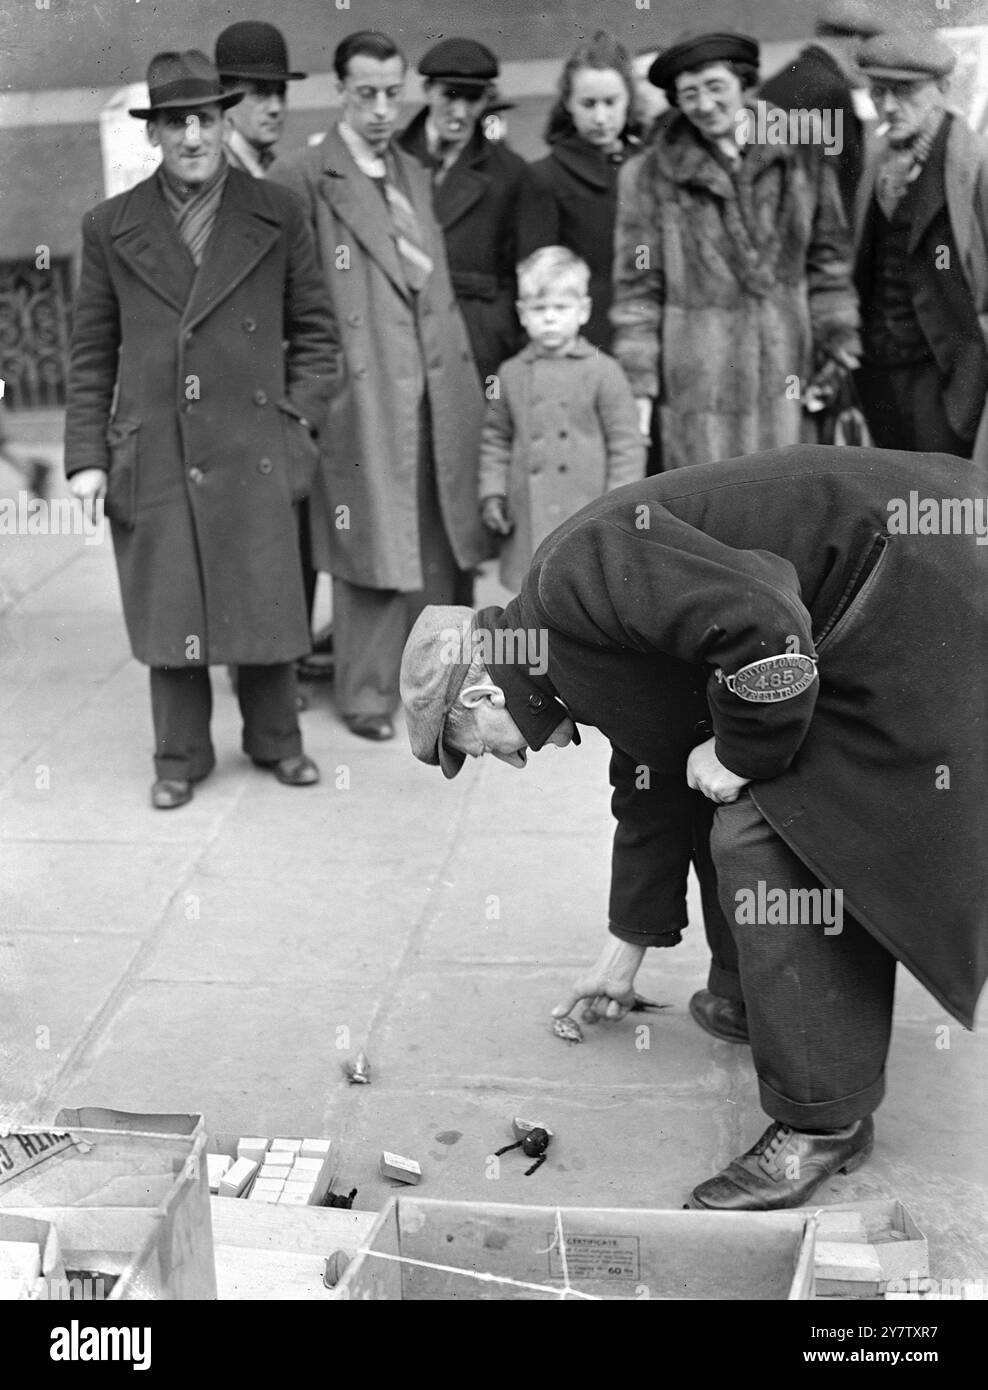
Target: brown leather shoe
{"type": "Point", "coordinates": [298, 771]}
{"type": "Point", "coordinates": [721, 1018]}
{"type": "Point", "coordinates": [785, 1168]}
{"type": "Point", "coordinates": [373, 726]}
{"type": "Point", "coordinates": [168, 793]}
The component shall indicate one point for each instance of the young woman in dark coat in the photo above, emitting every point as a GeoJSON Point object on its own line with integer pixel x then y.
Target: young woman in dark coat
{"type": "Point", "coordinates": [570, 197]}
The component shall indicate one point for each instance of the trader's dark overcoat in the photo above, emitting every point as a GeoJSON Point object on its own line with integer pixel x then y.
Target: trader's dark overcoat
{"type": "Point", "coordinates": [875, 776]}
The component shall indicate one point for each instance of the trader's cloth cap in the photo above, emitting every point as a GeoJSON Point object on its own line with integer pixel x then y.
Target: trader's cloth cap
{"type": "Point", "coordinates": [435, 660]}
{"type": "Point", "coordinates": [461, 62]}
{"type": "Point", "coordinates": [255, 50]}
{"type": "Point", "coordinates": [914, 57]}
{"type": "Point", "coordinates": [853, 17]}
{"type": "Point", "coordinates": [183, 80]}
{"type": "Point", "coordinates": [697, 49]}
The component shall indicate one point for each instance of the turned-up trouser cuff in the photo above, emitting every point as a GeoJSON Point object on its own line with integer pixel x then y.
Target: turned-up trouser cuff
{"type": "Point", "coordinates": [819, 1000]}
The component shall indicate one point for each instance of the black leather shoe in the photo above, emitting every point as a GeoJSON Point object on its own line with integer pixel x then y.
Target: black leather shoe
{"type": "Point", "coordinates": [169, 793]}
{"type": "Point", "coordinates": [722, 1018]}
{"type": "Point", "coordinates": [299, 771]}
{"type": "Point", "coordinates": [785, 1168]}
{"type": "Point", "coordinates": [374, 726]}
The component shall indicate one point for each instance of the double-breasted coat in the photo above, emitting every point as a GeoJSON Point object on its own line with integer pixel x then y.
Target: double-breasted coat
{"type": "Point", "coordinates": [875, 774]}
{"type": "Point", "coordinates": [476, 205]}
{"type": "Point", "coordinates": [199, 392]}
{"type": "Point", "coordinates": [730, 288]}
{"type": "Point", "coordinates": [397, 346]}
{"type": "Point", "coordinates": [559, 432]}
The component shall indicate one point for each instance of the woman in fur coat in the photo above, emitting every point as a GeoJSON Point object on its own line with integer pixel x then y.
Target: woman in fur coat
{"type": "Point", "coordinates": [732, 276]}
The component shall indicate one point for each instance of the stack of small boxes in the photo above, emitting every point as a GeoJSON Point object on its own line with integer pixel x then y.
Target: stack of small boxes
{"type": "Point", "coordinates": [293, 1172]}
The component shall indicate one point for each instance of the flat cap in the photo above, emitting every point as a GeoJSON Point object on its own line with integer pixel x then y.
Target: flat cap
{"type": "Point", "coordinates": [698, 48]}
{"type": "Point", "coordinates": [435, 660]}
{"type": "Point", "coordinates": [849, 17]}
{"type": "Point", "coordinates": [906, 57]}
{"type": "Point", "coordinates": [460, 60]}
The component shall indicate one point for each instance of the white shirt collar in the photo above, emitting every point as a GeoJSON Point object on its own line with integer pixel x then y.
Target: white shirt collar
{"type": "Point", "coordinates": [367, 160]}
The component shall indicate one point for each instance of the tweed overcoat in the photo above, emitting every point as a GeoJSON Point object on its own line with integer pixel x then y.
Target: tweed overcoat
{"type": "Point", "coordinates": [181, 386]}
{"type": "Point", "coordinates": [396, 345]}
{"type": "Point", "coordinates": [476, 205]}
{"type": "Point", "coordinates": [729, 289]}
{"type": "Point", "coordinates": [875, 775]}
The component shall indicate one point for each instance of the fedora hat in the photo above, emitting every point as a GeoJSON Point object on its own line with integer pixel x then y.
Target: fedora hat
{"type": "Point", "coordinates": [254, 50]}
{"type": "Point", "coordinates": [183, 80]}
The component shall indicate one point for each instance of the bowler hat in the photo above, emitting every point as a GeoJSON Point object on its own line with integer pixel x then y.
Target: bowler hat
{"type": "Point", "coordinates": [697, 49]}
{"type": "Point", "coordinates": [254, 50]}
{"type": "Point", "coordinates": [463, 61]}
{"type": "Point", "coordinates": [435, 660]}
{"type": "Point", "coordinates": [183, 80]}
{"type": "Point", "coordinates": [906, 57]}
{"type": "Point", "coordinates": [849, 17]}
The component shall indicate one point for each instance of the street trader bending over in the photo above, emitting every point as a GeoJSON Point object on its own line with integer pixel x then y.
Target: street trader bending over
{"type": "Point", "coordinates": [826, 610]}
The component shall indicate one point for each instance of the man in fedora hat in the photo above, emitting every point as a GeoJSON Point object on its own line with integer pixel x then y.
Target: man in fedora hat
{"type": "Point", "coordinates": [476, 184]}
{"type": "Point", "coordinates": [765, 633]}
{"type": "Point", "coordinates": [204, 353]}
{"type": "Point", "coordinates": [825, 77]}
{"type": "Point", "coordinates": [922, 255]}
{"type": "Point", "coordinates": [252, 58]}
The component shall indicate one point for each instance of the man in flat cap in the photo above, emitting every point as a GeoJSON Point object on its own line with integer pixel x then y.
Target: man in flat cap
{"type": "Point", "coordinates": [922, 255]}
{"type": "Point", "coordinates": [824, 76]}
{"type": "Point", "coordinates": [204, 354]}
{"type": "Point", "coordinates": [785, 604]}
{"type": "Point", "coordinates": [475, 189]}
{"type": "Point", "coordinates": [395, 518]}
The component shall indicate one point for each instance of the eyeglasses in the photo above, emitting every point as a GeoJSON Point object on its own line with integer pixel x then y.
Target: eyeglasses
{"type": "Point", "coordinates": [902, 91]}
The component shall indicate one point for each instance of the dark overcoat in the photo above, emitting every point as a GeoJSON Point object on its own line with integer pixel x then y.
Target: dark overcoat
{"type": "Point", "coordinates": [570, 199]}
{"type": "Point", "coordinates": [182, 388]}
{"type": "Point", "coordinates": [396, 345]}
{"type": "Point", "coordinates": [476, 205]}
{"type": "Point", "coordinates": [875, 776]}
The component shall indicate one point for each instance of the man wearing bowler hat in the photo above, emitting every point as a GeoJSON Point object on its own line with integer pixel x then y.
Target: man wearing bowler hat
{"type": "Point", "coordinates": [768, 632]}
{"type": "Point", "coordinates": [204, 354]}
{"type": "Point", "coordinates": [475, 189]}
{"type": "Point", "coordinates": [252, 58]}
{"type": "Point", "coordinates": [922, 255]}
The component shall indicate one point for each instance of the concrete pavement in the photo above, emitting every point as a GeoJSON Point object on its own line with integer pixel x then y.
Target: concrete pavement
{"type": "Point", "coordinates": [226, 958]}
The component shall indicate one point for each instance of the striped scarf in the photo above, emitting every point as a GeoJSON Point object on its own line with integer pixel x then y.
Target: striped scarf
{"type": "Point", "coordinates": [194, 209]}
{"type": "Point", "coordinates": [416, 262]}
{"type": "Point", "coordinates": [903, 164]}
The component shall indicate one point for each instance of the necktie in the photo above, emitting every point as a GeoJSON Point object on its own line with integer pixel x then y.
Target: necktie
{"type": "Point", "coordinates": [416, 262]}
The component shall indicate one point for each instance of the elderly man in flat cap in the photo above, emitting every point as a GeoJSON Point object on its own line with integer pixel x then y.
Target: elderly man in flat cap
{"type": "Point", "coordinates": [784, 604]}
{"type": "Point", "coordinates": [922, 255]}
{"type": "Point", "coordinates": [824, 76]}
{"type": "Point", "coordinates": [476, 184]}
{"type": "Point", "coordinates": [204, 354]}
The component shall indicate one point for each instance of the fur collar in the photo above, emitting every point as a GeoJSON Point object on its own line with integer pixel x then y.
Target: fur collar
{"type": "Point", "coordinates": [683, 156]}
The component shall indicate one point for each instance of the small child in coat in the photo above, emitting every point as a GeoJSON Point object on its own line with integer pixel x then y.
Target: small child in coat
{"type": "Point", "coordinates": [563, 428]}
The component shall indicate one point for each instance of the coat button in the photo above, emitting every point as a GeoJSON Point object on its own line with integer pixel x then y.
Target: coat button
{"type": "Point", "coordinates": [563, 434]}
{"type": "Point", "coordinates": [189, 336]}
{"type": "Point", "coordinates": [536, 701]}
{"type": "Point", "coordinates": [354, 320]}
{"type": "Point", "coordinates": [360, 372]}
{"type": "Point", "coordinates": [260, 398]}
{"type": "Point", "coordinates": [196, 475]}
{"type": "Point", "coordinates": [249, 325]}
{"type": "Point", "coordinates": [265, 466]}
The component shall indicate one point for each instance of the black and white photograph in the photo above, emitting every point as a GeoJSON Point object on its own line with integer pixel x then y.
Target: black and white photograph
{"type": "Point", "coordinates": [392, 392]}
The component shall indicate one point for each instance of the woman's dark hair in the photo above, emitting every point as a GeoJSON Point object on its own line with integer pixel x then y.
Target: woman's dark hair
{"type": "Point", "coordinates": [604, 53]}
{"type": "Point", "coordinates": [746, 73]}
{"type": "Point", "coordinates": [370, 42]}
